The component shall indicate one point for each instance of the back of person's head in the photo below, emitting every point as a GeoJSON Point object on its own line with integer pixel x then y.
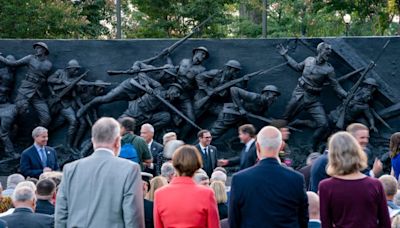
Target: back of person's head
{"type": "Point", "coordinates": [167, 170]}
{"type": "Point", "coordinates": [201, 178]}
{"type": "Point", "coordinates": [128, 123]}
{"type": "Point", "coordinates": [24, 196]}
{"type": "Point", "coordinates": [155, 183]}
{"type": "Point", "coordinates": [105, 133]}
{"type": "Point", "coordinates": [389, 184]}
{"type": "Point", "coordinates": [45, 188]}
{"type": "Point", "coordinates": [168, 137]}
{"type": "Point", "coordinates": [248, 129]}
{"type": "Point", "coordinates": [345, 155]}
{"type": "Point", "coordinates": [313, 205]}
{"type": "Point", "coordinates": [222, 169]}
{"type": "Point", "coordinates": [312, 157]}
{"type": "Point", "coordinates": [28, 184]}
{"type": "Point", "coordinates": [394, 145]}
{"type": "Point", "coordinates": [218, 176]}
{"type": "Point", "coordinates": [55, 176]}
{"type": "Point", "coordinates": [14, 179]}
{"type": "Point", "coordinates": [187, 160]}
{"type": "Point", "coordinates": [219, 191]}
{"type": "Point", "coordinates": [269, 142]}
{"type": "Point", "coordinates": [171, 147]}
{"type": "Point", "coordinates": [354, 127]}
{"type": "Point", "coordinates": [32, 179]}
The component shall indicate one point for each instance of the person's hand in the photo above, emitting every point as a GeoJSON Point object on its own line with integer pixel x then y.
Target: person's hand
{"type": "Point", "coordinates": [149, 90]}
{"type": "Point", "coordinates": [246, 77]}
{"type": "Point", "coordinates": [377, 167]}
{"type": "Point", "coordinates": [223, 162]}
{"type": "Point", "coordinates": [47, 169]}
{"type": "Point", "coordinates": [282, 50]}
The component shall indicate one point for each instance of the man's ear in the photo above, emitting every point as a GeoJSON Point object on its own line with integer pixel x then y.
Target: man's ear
{"type": "Point", "coordinates": [258, 147]}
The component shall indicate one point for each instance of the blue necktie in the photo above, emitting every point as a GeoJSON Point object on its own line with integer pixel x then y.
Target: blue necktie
{"type": "Point", "coordinates": [43, 157]}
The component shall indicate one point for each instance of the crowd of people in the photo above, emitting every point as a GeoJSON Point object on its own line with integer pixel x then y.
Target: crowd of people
{"type": "Point", "coordinates": [134, 181]}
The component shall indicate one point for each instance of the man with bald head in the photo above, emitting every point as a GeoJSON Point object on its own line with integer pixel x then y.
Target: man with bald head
{"type": "Point", "coordinates": [268, 194]}
{"type": "Point", "coordinates": [101, 190]}
{"type": "Point", "coordinates": [313, 210]}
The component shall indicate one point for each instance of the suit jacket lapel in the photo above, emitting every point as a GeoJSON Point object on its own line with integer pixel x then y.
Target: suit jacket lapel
{"type": "Point", "coordinates": [36, 155]}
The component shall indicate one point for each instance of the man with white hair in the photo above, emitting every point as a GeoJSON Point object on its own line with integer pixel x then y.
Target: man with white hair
{"type": "Point", "coordinates": [24, 200]}
{"type": "Point", "coordinates": [107, 189]}
{"type": "Point", "coordinates": [313, 210]}
{"type": "Point", "coordinates": [280, 189]}
{"type": "Point", "coordinates": [218, 175]}
{"type": "Point", "coordinates": [12, 182]}
{"type": "Point", "coordinates": [155, 148]}
{"type": "Point", "coordinates": [168, 171]}
{"type": "Point", "coordinates": [39, 157]}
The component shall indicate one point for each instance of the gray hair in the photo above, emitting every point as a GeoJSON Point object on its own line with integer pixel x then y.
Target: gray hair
{"type": "Point", "coordinates": [171, 147]}
{"type": "Point", "coordinates": [218, 176]}
{"type": "Point", "coordinates": [167, 169]}
{"type": "Point", "coordinates": [389, 184]}
{"type": "Point", "coordinates": [312, 157]}
{"type": "Point", "coordinates": [105, 131]}
{"type": "Point", "coordinates": [199, 176]}
{"type": "Point", "coordinates": [168, 137]}
{"type": "Point", "coordinates": [149, 127]}
{"type": "Point", "coordinates": [38, 131]}
{"type": "Point", "coordinates": [270, 138]}
{"type": "Point", "coordinates": [23, 194]}
{"type": "Point", "coordinates": [14, 179]}
{"type": "Point", "coordinates": [28, 184]}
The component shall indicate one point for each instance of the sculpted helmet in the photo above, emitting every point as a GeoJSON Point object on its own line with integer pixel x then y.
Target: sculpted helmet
{"type": "Point", "coordinates": [43, 45]}
{"type": "Point", "coordinates": [271, 88]}
{"type": "Point", "coordinates": [370, 81]}
{"type": "Point", "coordinates": [201, 49]}
{"type": "Point", "coordinates": [234, 64]}
{"type": "Point", "coordinates": [73, 63]}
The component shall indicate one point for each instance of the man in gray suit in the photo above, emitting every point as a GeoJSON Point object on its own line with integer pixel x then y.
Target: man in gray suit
{"type": "Point", "coordinates": [101, 190]}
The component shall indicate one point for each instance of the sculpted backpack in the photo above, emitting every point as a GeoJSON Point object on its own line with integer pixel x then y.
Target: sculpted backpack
{"type": "Point", "coordinates": [128, 151]}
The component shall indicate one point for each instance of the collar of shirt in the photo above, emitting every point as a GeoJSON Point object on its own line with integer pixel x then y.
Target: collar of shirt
{"type": "Point", "coordinates": [202, 148]}
{"type": "Point", "coordinates": [149, 144]}
{"type": "Point", "coordinates": [248, 144]}
{"type": "Point", "coordinates": [314, 220]}
{"type": "Point", "coordinates": [39, 147]}
{"type": "Point", "coordinates": [106, 149]}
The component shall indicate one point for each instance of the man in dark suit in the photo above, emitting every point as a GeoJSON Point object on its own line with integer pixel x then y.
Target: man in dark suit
{"type": "Point", "coordinates": [45, 193]}
{"type": "Point", "coordinates": [3, 224]}
{"type": "Point", "coordinates": [23, 216]}
{"type": "Point", "coordinates": [268, 194]}
{"type": "Point", "coordinates": [147, 133]}
{"type": "Point", "coordinates": [248, 156]}
{"type": "Point", "coordinates": [207, 151]}
{"type": "Point", "coordinates": [39, 157]}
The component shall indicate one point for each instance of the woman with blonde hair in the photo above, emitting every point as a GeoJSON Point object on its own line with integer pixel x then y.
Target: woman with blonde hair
{"type": "Point", "coordinates": [155, 183]}
{"type": "Point", "coordinates": [350, 198]}
{"type": "Point", "coordinates": [220, 195]}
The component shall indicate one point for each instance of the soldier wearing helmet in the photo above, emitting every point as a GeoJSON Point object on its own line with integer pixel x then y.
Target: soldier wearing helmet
{"type": "Point", "coordinates": [360, 106]}
{"type": "Point", "coordinates": [30, 90]}
{"type": "Point", "coordinates": [306, 96]}
{"type": "Point", "coordinates": [244, 102]}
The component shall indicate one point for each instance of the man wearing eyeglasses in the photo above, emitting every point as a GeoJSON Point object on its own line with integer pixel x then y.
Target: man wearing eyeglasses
{"type": "Point", "coordinates": [207, 151]}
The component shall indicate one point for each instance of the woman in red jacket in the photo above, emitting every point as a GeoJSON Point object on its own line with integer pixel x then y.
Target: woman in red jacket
{"type": "Point", "coordinates": [182, 203]}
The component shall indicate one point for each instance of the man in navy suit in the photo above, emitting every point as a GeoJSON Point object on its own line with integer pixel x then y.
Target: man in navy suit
{"type": "Point", "coordinates": [268, 194]}
{"type": "Point", "coordinates": [208, 152]}
{"type": "Point", "coordinates": [155, 148]}
{"type": "Point", "coordinates": [248, 156]}
{"type": "Point", "coordinates": [39, 157]}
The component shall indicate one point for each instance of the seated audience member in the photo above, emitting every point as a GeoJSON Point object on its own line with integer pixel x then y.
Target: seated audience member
{"type": "Point", "coordinates": [12, 182]}
{"type": "Point", "coordinates": [389, 184]}
{"type": "Point", "coordinates": [168, 171]}
{"type": "Point", "coordinates": [197, 204]}
{"type": "Point", "coordinates": [201, 178]}
{"type": "Point", "coordinates": [45, 194]}
{"type": "Point", "coordinates": [218, 176]}
{"type": "Point", "coordinates": [394, 148]}
{"type": "Point", "coordinates": [5, 201]}
{"type": "Point", "coordinates": [306, 170]}
{"type": "Point", "coordinates": [313, 210]}
{"type": "Point", "coordinates": [169, 150]}
{"type": "Point", "coordinates": [23, 216]}
{"type": "Point", "coordinates": [350, 198]}
{"type": "Point", "coordinates": [220, 195]}
{"type": "Point", "coordinates": [39, 157]}
{"type": "Point", "coordinates": [169, 136]}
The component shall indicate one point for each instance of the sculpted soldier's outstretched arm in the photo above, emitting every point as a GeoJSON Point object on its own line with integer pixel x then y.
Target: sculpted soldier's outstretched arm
{"type": "Point", "coordinates": [293, 63]}
{"type": "Point", "coordinates": [20, 62]}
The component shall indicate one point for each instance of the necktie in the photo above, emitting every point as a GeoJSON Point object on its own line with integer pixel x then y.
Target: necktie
{"type": "Point", "coordinates": [43, 157]}
{"type": "Point", "coordinates": [205, 151]}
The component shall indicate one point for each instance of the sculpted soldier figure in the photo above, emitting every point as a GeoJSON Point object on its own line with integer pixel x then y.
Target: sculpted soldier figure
{"type": "Point", "coordinates": [359, 106]}
{"type": "Point", "coordinates": [149, 109]}
{"type": "Point", "coordinates": [244, 102]}
{"type": "Point", "coordinates": [306, 96]}
{"type": "Point", "coordinates": [64, 109]}
{"type": "Point", "coordinates": [8, 111]}
{"type": "Point", "coordinates": [39, 68]}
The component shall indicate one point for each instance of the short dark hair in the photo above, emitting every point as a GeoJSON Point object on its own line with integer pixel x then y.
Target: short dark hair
{"type": "Point", "coordinates": [248, 129]}
{"type": "Point", "coordinates": [187, 160]}
{"type": "Point", "coordinates": [202, 132]}
{"type": "Point", "coordinates": [45, 187]}
{"type": "Point", "coordinates": [128, 123]}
